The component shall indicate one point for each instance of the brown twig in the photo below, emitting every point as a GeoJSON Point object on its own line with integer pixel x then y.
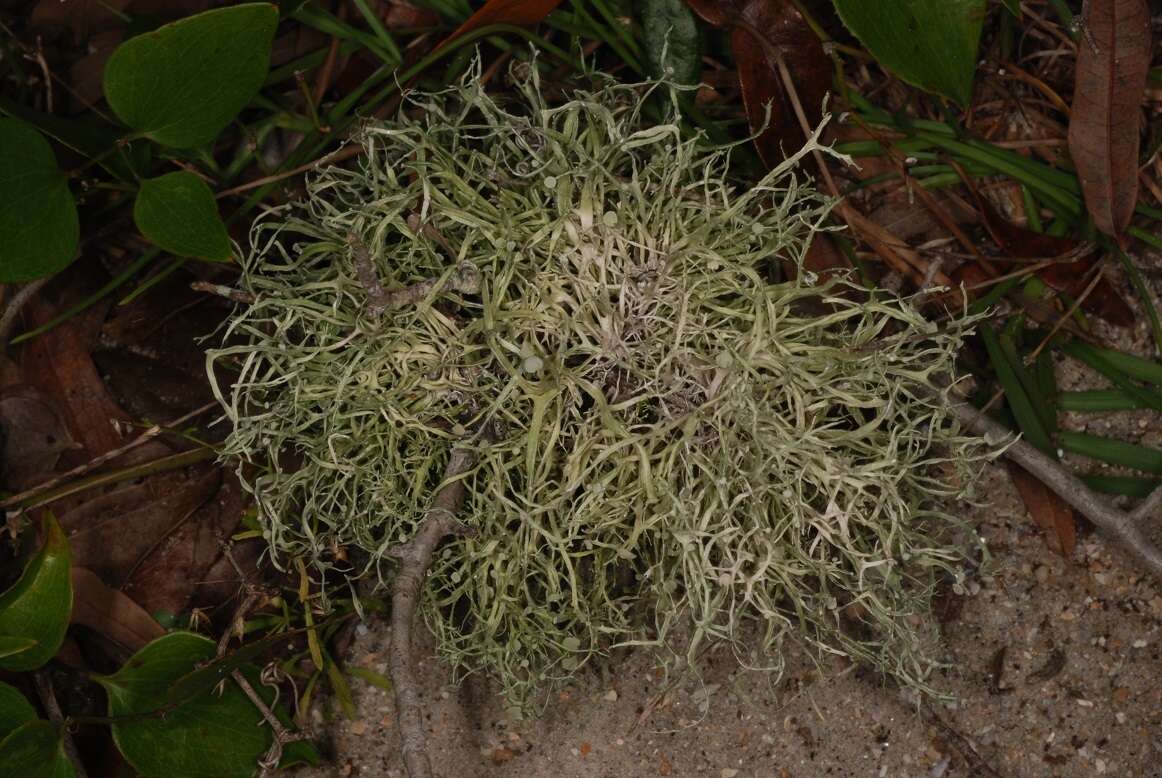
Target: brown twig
{"type": "Point", "coordinates": [465, 278]}
{"type": "Point", "coordinates": [95, 462]}
{"type": "Point", "coordinates": [48, 699]}
{"type": "Point", "coordinates": [281, 736]}
{"type": "Point", "coordinates": [414, 557]}
{"type": "Point", "coordinates": [229, 292]}
{"type": "Point", "coordinates": [1122, 527]}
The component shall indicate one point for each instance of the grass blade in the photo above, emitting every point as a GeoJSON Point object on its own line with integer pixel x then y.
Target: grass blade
{"type": "Point", "coordinates": [1114, 452]}
{"type": "Point", "coordinates": [1028, 420]}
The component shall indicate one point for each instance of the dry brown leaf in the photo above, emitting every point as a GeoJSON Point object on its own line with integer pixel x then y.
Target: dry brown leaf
{"type": "Point", "coordinates": [58, 363]}
{"type": "Point", "coordinates": [1050, 512]}
{"type": "Point", "coordinates": [1113, 59]}
{"type": "Point", "coordinates": [115, 533]}
{"type": "Point", "coordinates": [110, 612]}
{"type": "Point", "coordinates": [188, 564]}
{"type": "Point", "coordinates": [32, 437]}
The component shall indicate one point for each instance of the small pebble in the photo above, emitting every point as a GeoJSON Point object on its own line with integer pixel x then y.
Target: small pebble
{"type": "Point", "coordinates": [727, 772]}
{"type": "Point", "coordinates": [611, 695]}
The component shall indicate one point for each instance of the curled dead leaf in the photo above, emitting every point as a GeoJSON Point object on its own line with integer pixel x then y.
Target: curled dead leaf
{"type": "Point", "coordinates": [1113, 60]}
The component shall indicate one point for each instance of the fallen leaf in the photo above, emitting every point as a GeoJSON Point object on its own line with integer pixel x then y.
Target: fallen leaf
{"type": "Point", "coordinates": [1113, 59]}
{"type": "Point", "coordinates": [1052, 514]}
{"type": "Point", "coordinates": [189, 565]}
{"type": "Point", "coordinates": [110, 612]}
{"type": "Point", "coordinates": [761, 31]}
{"type": "Point", "coordinates": [1068, 277]}
{"type": "Point", "coordinates": [58, 363]}
{"type": "Point", "coordinates": [32, 437]}
{"type": "Point", "coordinates": [113, 533]}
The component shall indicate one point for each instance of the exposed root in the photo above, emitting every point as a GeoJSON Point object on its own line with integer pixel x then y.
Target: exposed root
{"type": "Point", "coordinates": [414, 557]}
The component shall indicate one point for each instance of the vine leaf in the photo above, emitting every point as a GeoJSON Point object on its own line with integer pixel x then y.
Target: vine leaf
{"type": "Point", "coordinates": [1113, 60]}
{"type": "Point", "coordinates": [39, 230]}
{"type": "Point", "coordinates": [931, 44]}
{"type": "Point", "coordinates": [35, 750]}
{"type": "Point", "coordinates": [177, 211]}
{"type": "Point", "coordinates": [37, 606]}
{"type": "Point", "coordinates": [182, 83]}
{"type": "Point", "coordinates": [15, 710]}
{"type": "Point", "coordinates": [214, 733]}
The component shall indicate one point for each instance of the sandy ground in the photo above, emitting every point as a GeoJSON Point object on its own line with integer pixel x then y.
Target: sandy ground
{"type": "Point", "coordinates": [1054, 665]}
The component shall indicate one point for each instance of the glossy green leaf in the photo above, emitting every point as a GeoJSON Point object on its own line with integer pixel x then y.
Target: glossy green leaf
{"type": "Point", "coordinates": [35, 750]}
{"type": "Point", "coordinates": [38, 217]}
{"type": "Point", "coordinates": [15, 710]}
{"type": "Point", "coordinates": [178, 212]}
{"type": "Point", "coordinates": [182, 83]}
{"type": "Point", "coordinates": [219, 734]}
{"type": "Point", "coordinates": [37, 607]}
{"type": "Point", "coordinates": [671, 40]}
{"type": "Point", "coordinates": [929, 43]}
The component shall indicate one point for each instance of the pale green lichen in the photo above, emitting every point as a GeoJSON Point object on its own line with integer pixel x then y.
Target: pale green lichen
{"type": "Point", "coordinates": [667, 436]}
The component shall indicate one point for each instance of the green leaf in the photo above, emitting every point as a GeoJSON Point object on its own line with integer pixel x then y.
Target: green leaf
{"type": "Point", "coordinates": [671, 41]}
{"type": "Point", "coordinates": [15, 710]}
{"type": "Point", "coordinates": [182, 83]}
{"type": "Point", "coordinates": [38, 217]}
{"type": "Point", "coordinates": [177, 211]}
{"type": "Point", "coordinates": [35, 750]}
{"type": "Point", "coordinates": [89, 139]}
{"type": "Point", "coordinates": [219, 734]}
{"type": "Point", "coordinates": [929, 43]}
{"type": "Point", "coordinates": [10, 645]}
{"type": "Point", "coordinates": [37, 607]}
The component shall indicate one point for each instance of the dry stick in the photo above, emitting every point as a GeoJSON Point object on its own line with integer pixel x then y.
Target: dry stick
{"type": "Point", "coordinates": [97, 461]}
{"type": "Point", "coordinates": [47, 696]}
{"type": "Point", "coordinates": [465, 279]}
{"type": "Point", "coordinates": [1123, 527]}
{"type": "Point", "coordinates": [346, 152]}
{"type": "Point", "coordinates": [229, 292]}
{"type": "Point", "coordinates": [415, 556]}
{"type": "Point", "coordinates": [281, 736]}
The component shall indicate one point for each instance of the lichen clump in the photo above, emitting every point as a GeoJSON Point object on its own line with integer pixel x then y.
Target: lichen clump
{"type": "Point", "coordinates": [666, 433]}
